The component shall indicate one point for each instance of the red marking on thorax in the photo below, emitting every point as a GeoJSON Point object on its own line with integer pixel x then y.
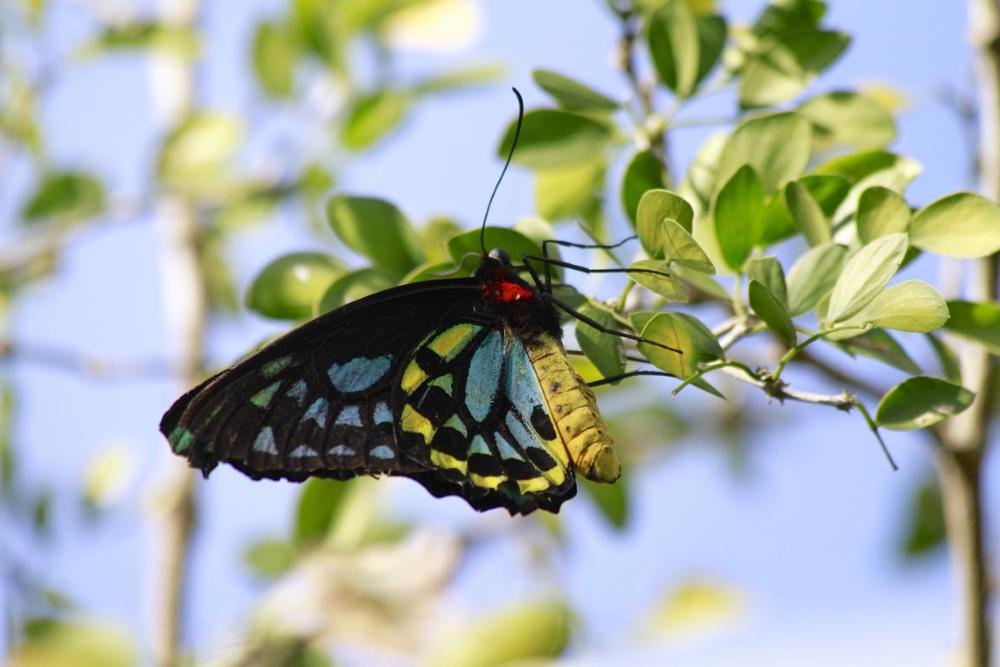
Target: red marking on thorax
{"type": "Point", "coordinates": [506, 291]}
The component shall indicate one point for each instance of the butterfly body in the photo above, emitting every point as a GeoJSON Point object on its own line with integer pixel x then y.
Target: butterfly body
{"type": "Point", "coordinates": [462, 385]}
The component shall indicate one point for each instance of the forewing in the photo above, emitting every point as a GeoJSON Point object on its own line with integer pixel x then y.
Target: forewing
{"type": "Point", "coordinates": [318, 401]}
{"type": "Point", "coordinates": [469, 399]}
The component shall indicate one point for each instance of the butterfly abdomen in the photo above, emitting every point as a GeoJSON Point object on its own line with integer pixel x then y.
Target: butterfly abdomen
{"type": "Point", "coordinates": [574, 410]}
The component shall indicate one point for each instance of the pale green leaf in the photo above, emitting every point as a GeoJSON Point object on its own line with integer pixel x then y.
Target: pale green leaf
{"type": "Point", "coordinates": [373, 117]}
{"type": "Point", "coordinates": [813, 276]}
{"type": "Point", "coordinates": [881, 211]}
{"type": "Point", "coordinates": [865, 275]}
{"type": "Point", "coordinates": [807, 214]}
{"type": "Point", "coordinates": [912, 305]}
{"type": "Point", "coordinates": [680, 247]}
{"type": "Point", "coordinates": [848, 119]}
{"type": "Point", "coordinates": [663, 283]}
{"type": "Point", "coordinates": [776, 146]}
{"type": "Point", "coordinates": [768, 272]}
{"type": "Point", "coordinates": [289, 286]}
{"type": "Point", "coordinates": [572, 95]}
{"type": "Point", "coordinates": [769, 309]}
{"type": "Point", "coordinates": [376, 229]}
{"type": "Point", "coordinates": [674, 47]}
{"type": "Point", "coordinates": [570, 192]}
{"type": "Point", "coordinates": [959, 225]}
{"type": "Point", "coordinates": [921, 401]}
{"type": "Point", "coordinates": [274, 53]}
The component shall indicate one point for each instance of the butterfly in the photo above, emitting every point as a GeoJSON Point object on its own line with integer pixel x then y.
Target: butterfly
{"type": "Point", "coordinates": [462, 385]}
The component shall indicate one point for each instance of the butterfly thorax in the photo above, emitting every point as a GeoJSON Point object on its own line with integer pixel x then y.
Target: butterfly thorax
{"type": "Point", "coordinates": [506, 295]}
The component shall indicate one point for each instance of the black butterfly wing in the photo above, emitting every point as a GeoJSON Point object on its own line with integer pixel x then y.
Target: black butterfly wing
{"type": "Point", "coordinates": [318, 401]}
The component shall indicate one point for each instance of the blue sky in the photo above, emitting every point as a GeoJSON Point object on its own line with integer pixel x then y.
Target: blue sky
{"type": "Point", "coordinates": [807, 538]}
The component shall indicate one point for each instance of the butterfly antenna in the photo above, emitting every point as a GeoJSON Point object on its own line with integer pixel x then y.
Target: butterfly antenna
{"type": "Point", "coordinates": [510, 154]}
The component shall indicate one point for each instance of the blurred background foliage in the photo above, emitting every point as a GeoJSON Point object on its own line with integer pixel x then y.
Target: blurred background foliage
{"type": "Point", "coordinates": [350, 578]}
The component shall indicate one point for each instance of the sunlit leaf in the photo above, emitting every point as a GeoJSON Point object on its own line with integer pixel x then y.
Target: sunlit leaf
{"type": "Point", "coordinates": [275, 53]}
{"type": "Point", "coordinates": [680, 247]}
{"type": "Point", "coordinates": [662, 282]}
{"type": "Point", "coordinates": [654, 207]}
{"type": "Point", "coordinates": [194, 156]}
{"type": "Point", "coordinates": [434, 26]}
{"type": "Point", "coordinates": [269, 558]}
{"type": "Point", "coordinates": [82, 643]}
{"type": "Point", "coordinates": [849, 119]}
{"type": "Point", "coordinates": [912, 305]}
{"type": "Point", "coordinates": [807, 214]}
{"type": "Point", "coordinates": [570, 192]}
{"type": "Point", "coordinates": [695, 607]}
{"type": "Point", "coordinates": [919, 402]}
{"type": "Point", "coordinates": [881, 212]}
{"type": "Point", "coordinates": [352, 286]}
{"type": "Point", "coordinates": [865, 275]}
{"type": "Point", "coordinates": [738, 211]}
{"type": "Point", "coordinates": [373, 117]}
{"type": "Point", "coordinates": [776, 146]}
{"type": "Point", "coordinates": [108, 475]}
{"type": "Point", "coordinates": [959, 225]}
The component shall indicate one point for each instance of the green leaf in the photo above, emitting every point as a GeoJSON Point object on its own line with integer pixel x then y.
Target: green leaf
{"type": "Point", "coordinates": [683, 332]}
{"type": "Point", "coordinates": [807, 214]}
{"type": "Point", "coordinates": [663, 283]}
{"type": "Point", "coordinates": [570, 192]}
{"type": "Point", "coordinates": [176, 39]}
{"type": "Point", "coordinates": [52, 643]}
{"type": "Point", "coordinates": [64, 197]}
{"type": "Point", "coordinates": [776, 146]}
{"type": "Point", "coordinates": [921, 401]}
{"type": "Point", "coordinates": [654, 206]}
{"type": "Point", "coordinates": [604, 349]}
{"type": "Point", "coordinates": [784, 67]}
{"type": "Point", "coordinates": [959, 225]}
{"type": "Point", "coordinates": [813, 276]}
{"type": "Point", "coordinates": [880, 345]}
{"type": "Point", "coordinates": [8, 460]}
{"type": "Point", "coordinates": [848, 119]}
{"type": "Point", "coordinates": [674, 47]}
{"type": "Point", "coordinates": [460, 79]}
{"type": "Point", "coordinates": [976, 321]}
{"type": "Point", "coordinates": [701, 282]}
{"type": "Point", "coordinates": [319, 504]}
{"type": "Point", "coordinates": [881, 212]}
{"type": "Point", "coordinates": [611, 500]}
{"type": "Point", "coordinates": [352, 286]}
{"type": "Point", "coordinates": [434, 237]}
{"type": "Point", "coordinates": [194, 156]}
{"type": "Point", "coordinates": [376, 229]}
{"type": "Point", "coordinates": [712, 33]}
{"type": "Point", "coordinates": [865, 275]}
{"type": "Point", "coordinates": [289, 286]}
{"type": "Point", "coordinates": [572, 95]}
{"type": "Point", "coordinates": [373, 117]}
{"type": "Point", "coordinates": [680, 247]}
{"type": "Point", "coordinates": [514, 242]}
{"type": "Point", "coordinates": [828, 191]}
{"type": "Point", "coordinates": [770, 310]}
{"type": "Point", "coordinates": [552, 138]}
{"type": "Point", "coordinates": [275, 52]}
{"type": "Point", "coordinates": [924, 530]}
{"type": "Point", "coordinates": [269, 558]}
{"type": "Point", "coordinates": [767, 271]}
{"type": "Point", "coordinates": [643, 173]}
{"type": "Point", "coordinates": [856, 166]}
{"type": "Point", "coordinates": [533, 630]}
{"type": "Point", "coordinates": [912, 305]}
{"type": "Point", "coordinates": [948, 360]}
{"type": "Point", "coordinates": [738, 209]}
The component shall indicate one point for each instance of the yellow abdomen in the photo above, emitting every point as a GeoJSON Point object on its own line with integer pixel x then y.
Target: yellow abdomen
{"type": "Point", "coordinates": [574, 409]}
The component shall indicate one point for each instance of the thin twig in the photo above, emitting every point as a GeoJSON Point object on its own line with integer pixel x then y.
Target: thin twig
{"type": "Point", "coordinates": [92, 366]}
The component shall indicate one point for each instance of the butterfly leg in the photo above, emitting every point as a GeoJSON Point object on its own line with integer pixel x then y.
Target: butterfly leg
{"type": "Point", "coordinates": [587, 269]}
{"type": "Point", "coordinates": [603, 329]}
{"type": "Point", "coordinates": [571, 244]}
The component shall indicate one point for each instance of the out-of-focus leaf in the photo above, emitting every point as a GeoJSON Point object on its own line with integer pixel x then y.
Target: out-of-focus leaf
{"type": "Point", "coordinates": [674, 48]}
{"type": "Point", "coordinates": [275, 52]}
{"type": "Point", "coordinates": [64, 197]}
{"type": "Point", "coordinates": [553, 138]}
{"type": "Point", "coordinates": [865, 275]}
{"type": "Point", "coordinates": [194, 156]}
{"type": "Point", "coordinates": [41, 512]}
{"type": "Point", "coordinates": [976, 321]}
{"type": "Point", "coordinates": [828, 191]}
{"type": "Point", "coordinates": [176, 39]}
{"type": "Point", "coordinates": [530, 630]}
{"type": "Point", "coordinates": [434, 236]}
{"type": "Point", "coordinates": [772, 312]}
{"type": "Point", "coordinates": [813, 276]}
{"type": "Point", "coordinates": [951, 369]}
{"type": "Point", "coordinates": [352, 286]}
{"type": "Point", "coordinates": [374, 117]}
{"type": "Point", "coordinates": [8, 462]}
{"type": "Point", "coordinates": [456, 80]}
{"type": "Point", "coordinates": [84, 643]}
{"type": "Point", "coordinates": [695, 607]}
{"type": "Point", "coordinates": [570, 192]}
{"type": "Point", "coordinates": [807, 214]}
{"type": "Point", "coordinates": [776, 146]}
{"type": "Point", "coordinates": [320, 502]}
{"type": "Point", "coordinates": [663, 282]}
{"type": "Point", "coordinates": [611, 500]}
{"type": "Point", "coordinates": [604, 349]}
{"type": "Point", "coordinates": [959, 225]}
{"type": "Point", "coordinates": [881, 212]}
{"type": "Point", "coordinates": [436, 26]}
{"type": "Point", "coordinates": [514, 242]}
{"type": "Point", "coordinates": [855, 166]}
{"type": "Point", "coordinates": [738, 210]}
{"type": "Point", "coordinates": [289, 286]}
{"type": "Point", "coordinates": [269, 558]}
{"type": "Point", "coordinates": [924, 530]}
{"type": "Point", "coordinates": [108, 475]}
{"type": "Point", "coordinates": [643, 173]}
{"type": "Point", "coordinates": [656, 206]}
{"type": "Point", "coordinates": [919, 402]}
{"type": "Point", "coordinates": [848, 119]}
{"type": "Point", "coordinates": [376, 229]}
{"type": "Point", "coordinates": [572, 95]}
{"type": "Point", "coordinates": [786, 67]}
{"type": "Point", "coordinates": [879, 344]}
